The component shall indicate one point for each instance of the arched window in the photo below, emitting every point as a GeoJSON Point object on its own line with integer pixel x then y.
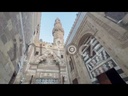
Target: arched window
{"type": "Point", "coordinates": [36, 53]}
{"type": "Point", "coordinates": [71, 64]}
{"type": "Point", "coordinates": [61, 56]}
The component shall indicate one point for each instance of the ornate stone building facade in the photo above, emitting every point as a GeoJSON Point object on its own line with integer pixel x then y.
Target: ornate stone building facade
{"type": "Point", "coordinates": [104, 40]}
{"type": "Point", "coordinates": [46, 63]}
{"type": "Point", "coordinates": [99, 38]}
{"type": "Point", "coordinates": [16, 31]}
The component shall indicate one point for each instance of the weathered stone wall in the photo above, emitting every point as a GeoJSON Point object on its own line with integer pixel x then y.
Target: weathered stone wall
{"type": "Point", "coordinates": [111, 35]}
{"type": "Point", "coordinates": [13, 25]}
{"type": "Point", "coordinates": [49, 69]}
{"type": "Point", "coordinates": [48, 52]}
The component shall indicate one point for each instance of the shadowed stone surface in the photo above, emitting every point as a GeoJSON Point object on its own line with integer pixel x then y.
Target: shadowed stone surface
{"type": "Point", "coordinates": [116, 15]}
{"type": "Point", "coordinates": [10, 29]}
{"type": "Point", "coordinates": [4, 39]}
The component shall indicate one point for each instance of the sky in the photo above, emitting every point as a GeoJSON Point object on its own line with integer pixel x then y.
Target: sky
{"type": "Point", "coordinates": [47, 23]}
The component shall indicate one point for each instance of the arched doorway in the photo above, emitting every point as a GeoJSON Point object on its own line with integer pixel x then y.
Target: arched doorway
{"type": "Point", "coordinates": [99, 63]}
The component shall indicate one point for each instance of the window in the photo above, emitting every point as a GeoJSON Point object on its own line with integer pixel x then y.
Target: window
{"type": "Point", "coordinates": [44, 60]}
{"type": "Point", "coordinates": [36, 53]}
{"type": "Point", "coordinates": [37, 28]}
{"type": "Point", "coordinates": [63, 79]}
{"type": "Point", "coordinates": [115, 16]}
{"type": "Point", "coordinates": [34, 32]}
{"type": "Point", "coordinates": [61, 56]}
{"type": "Point", "coordinates": [71, 64]}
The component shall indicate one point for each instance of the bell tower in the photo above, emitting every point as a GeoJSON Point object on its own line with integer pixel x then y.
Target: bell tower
{"type": "Point", "coordinates": [58, 33]}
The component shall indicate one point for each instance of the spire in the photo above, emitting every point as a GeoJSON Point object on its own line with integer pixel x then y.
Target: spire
{"type": "Point", "coordinates": [57, 20]}
{"type": "Point", "coordinates": [57, 26]}
{"type": "Point", "coordinates": [58, 33]}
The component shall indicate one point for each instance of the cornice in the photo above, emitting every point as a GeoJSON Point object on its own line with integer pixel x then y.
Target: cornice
{"type": "Point", "coordinates": [108, 28]}
{"type": "Point", "coordinates": [70, 33]}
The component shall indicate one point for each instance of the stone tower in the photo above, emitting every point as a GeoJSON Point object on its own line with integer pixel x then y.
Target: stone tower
{"type": "Point", "coordinates": [58, 33]}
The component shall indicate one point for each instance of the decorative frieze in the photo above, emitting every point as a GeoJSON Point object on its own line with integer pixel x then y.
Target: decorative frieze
{"type": "Point", "coordinates": [91, 26]}
{"type": "Point", "coordinates": [100, 62]}
{"type": "Point", "coordinates": [47, 81]}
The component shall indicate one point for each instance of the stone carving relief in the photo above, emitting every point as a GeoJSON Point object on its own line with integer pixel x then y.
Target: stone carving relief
{"type": "Point", "coordinates": [48, 58]}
